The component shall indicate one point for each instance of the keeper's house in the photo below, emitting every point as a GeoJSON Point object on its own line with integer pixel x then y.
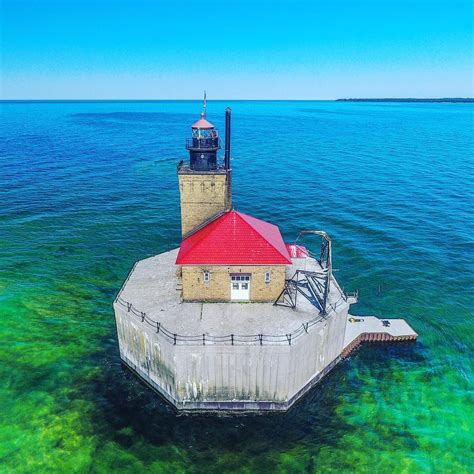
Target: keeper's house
{"type": "Point", "coordinates": [235, 257]}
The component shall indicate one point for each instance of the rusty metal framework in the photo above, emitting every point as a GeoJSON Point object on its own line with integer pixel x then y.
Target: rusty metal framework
{"type": "Point", "coordinates": [313, 285]}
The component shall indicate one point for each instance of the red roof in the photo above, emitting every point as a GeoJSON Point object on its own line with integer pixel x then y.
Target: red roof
{"type": "Point", "coordinates": [234, 238]}
{"type": "Point", "coordinates": [202, 123]}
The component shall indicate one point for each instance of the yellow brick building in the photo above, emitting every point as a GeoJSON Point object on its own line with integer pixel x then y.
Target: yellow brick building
{"type": "Point", "coordinates": [235, 257]}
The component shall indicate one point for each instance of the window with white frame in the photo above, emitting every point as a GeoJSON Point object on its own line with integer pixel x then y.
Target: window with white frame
{"type": "Point", "coordinates": [206, 276]}
{"type": "Point", "coordinates": [268, 277]}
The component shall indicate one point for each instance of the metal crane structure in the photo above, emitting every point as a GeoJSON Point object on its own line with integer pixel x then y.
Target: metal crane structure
{"type": "Point", "coordinates": [313, 285]}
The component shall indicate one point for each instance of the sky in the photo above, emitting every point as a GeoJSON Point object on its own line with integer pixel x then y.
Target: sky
{"type": "Point", "coordinates": [260, 49]}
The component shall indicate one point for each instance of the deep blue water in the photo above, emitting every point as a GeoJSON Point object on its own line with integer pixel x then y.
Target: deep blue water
{"type": "Point", "coordinates": [89, 187]}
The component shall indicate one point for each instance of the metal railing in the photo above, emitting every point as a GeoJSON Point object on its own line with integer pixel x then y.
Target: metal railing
{"type": "Point", "coordinates": [185, 168]}
{"type": "Point", "coordinates": [230, 339]}
{"type": "Point", "coordinates": [202, 143]}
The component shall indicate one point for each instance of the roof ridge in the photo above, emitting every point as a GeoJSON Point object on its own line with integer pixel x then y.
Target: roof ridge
{"type": "Point", "coordinates": [206, 226]}
{"type": "Point", "coordinates": [287, 256]}
{"type": "Point", "coordinates": [235, 238]}
{"type": "Point", "coordinates": [238, 213]}
{"type": "Point", "coordinates": [205, 223]}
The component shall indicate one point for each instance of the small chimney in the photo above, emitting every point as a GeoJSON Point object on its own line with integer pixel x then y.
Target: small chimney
{"type": "Point", "coordinates": [227, 139]}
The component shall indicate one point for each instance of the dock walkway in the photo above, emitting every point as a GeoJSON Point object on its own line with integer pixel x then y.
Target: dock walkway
{"type": "Point", "coordinates": [361, 329]}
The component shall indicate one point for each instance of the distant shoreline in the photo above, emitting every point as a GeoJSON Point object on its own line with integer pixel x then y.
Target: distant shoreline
{"type": "Point", "coordinates": [447, 99]}
{"type": "Point", "coordinates": [52, 101]}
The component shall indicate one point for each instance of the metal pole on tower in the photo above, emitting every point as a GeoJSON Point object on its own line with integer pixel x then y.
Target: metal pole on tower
{"type": "Point", "coordinates": [204, 105]}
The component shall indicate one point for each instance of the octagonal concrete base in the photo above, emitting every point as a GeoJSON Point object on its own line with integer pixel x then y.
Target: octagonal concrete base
{"type": "Point", "coordinates": [212, 371]}
{"type": "Point", "coordinates": [230, 356]}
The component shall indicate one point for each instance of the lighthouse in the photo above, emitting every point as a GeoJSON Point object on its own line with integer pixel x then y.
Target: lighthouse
{"type": "Point", "coordinates": [236, 319]}
{"type": "Point", "coordinates": [225, 255]}
{"type": "Point", "coordinates": [204, 180]}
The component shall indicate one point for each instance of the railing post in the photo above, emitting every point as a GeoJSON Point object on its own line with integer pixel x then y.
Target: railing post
{"type": "Point", "coordinates": [158, 327]}
{"type": "Point", "coordinates": [203, 339]}
{"type": "Point", "coordinates": [174, 335]}
{"type": "Point", "coordinates": [232, 339]}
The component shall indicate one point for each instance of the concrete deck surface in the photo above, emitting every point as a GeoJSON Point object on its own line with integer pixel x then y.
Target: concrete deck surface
{"type": "Point", "coordinates": [358, 325]}
{"type": "Point", "coordinates": [153, 288]}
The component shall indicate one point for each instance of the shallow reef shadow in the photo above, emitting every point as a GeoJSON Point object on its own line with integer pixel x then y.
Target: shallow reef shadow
{"type": "Point", "coordinates": [124, 402]}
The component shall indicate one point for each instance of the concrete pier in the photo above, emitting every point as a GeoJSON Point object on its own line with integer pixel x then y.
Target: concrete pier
{"type": "Point", "coordinates": [233, 356]}
{"type": "Point", "coordinates": [361, 329]}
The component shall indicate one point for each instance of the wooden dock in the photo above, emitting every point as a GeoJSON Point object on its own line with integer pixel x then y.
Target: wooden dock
{"type": "Point", "coordinates": [361, 329]}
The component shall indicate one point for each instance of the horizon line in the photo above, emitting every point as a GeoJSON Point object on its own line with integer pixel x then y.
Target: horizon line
{"type": "Point", "coordinates": [355, 99]}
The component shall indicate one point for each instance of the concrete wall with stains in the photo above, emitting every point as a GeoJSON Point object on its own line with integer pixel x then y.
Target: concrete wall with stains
{"type": "Point", "coordinates": [233, 377]}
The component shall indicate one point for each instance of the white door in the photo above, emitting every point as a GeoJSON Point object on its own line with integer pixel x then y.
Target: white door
{"type": "Point", "coordinates": [240, 287]}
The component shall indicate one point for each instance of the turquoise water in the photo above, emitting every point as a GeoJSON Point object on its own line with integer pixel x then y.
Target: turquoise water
{"type": "Point", "coordinates": [87, 188]}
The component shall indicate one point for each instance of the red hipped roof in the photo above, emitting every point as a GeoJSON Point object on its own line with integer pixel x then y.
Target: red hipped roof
{"type": "Point", "coordinates": [234, 238]}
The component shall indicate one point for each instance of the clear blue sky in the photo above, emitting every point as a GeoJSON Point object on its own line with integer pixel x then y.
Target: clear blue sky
{"type": "Point", "coordinates": [320, 49]}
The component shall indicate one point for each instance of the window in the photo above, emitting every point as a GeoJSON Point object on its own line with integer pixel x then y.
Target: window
{"type": "Point", "coordinates": [206, 276]}
{"type": "Point", "coordinates": [268, 277]}
{"type": "Point", "coordinates": [240, 277]}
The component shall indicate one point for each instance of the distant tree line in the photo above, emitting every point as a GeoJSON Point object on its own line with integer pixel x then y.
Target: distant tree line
{"type": "Point", "coordinates": [447, 99]}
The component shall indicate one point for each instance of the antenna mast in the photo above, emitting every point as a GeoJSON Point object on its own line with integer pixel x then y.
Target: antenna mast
{"type": "Point", "coordinates": [204, 104]}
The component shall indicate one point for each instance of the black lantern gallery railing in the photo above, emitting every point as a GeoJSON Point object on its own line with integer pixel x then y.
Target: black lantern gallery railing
{"type": "Point", "coordinates": [202, 143]}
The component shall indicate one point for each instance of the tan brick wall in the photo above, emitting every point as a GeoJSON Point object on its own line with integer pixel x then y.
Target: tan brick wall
{"type": "Point", "coordinates": [218, 287]}
{"type": "Point", "coordinates": [201, 196]}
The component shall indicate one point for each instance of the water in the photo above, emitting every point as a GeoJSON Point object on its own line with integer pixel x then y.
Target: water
{"type": "Point", "coordinates": [86, 188]}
